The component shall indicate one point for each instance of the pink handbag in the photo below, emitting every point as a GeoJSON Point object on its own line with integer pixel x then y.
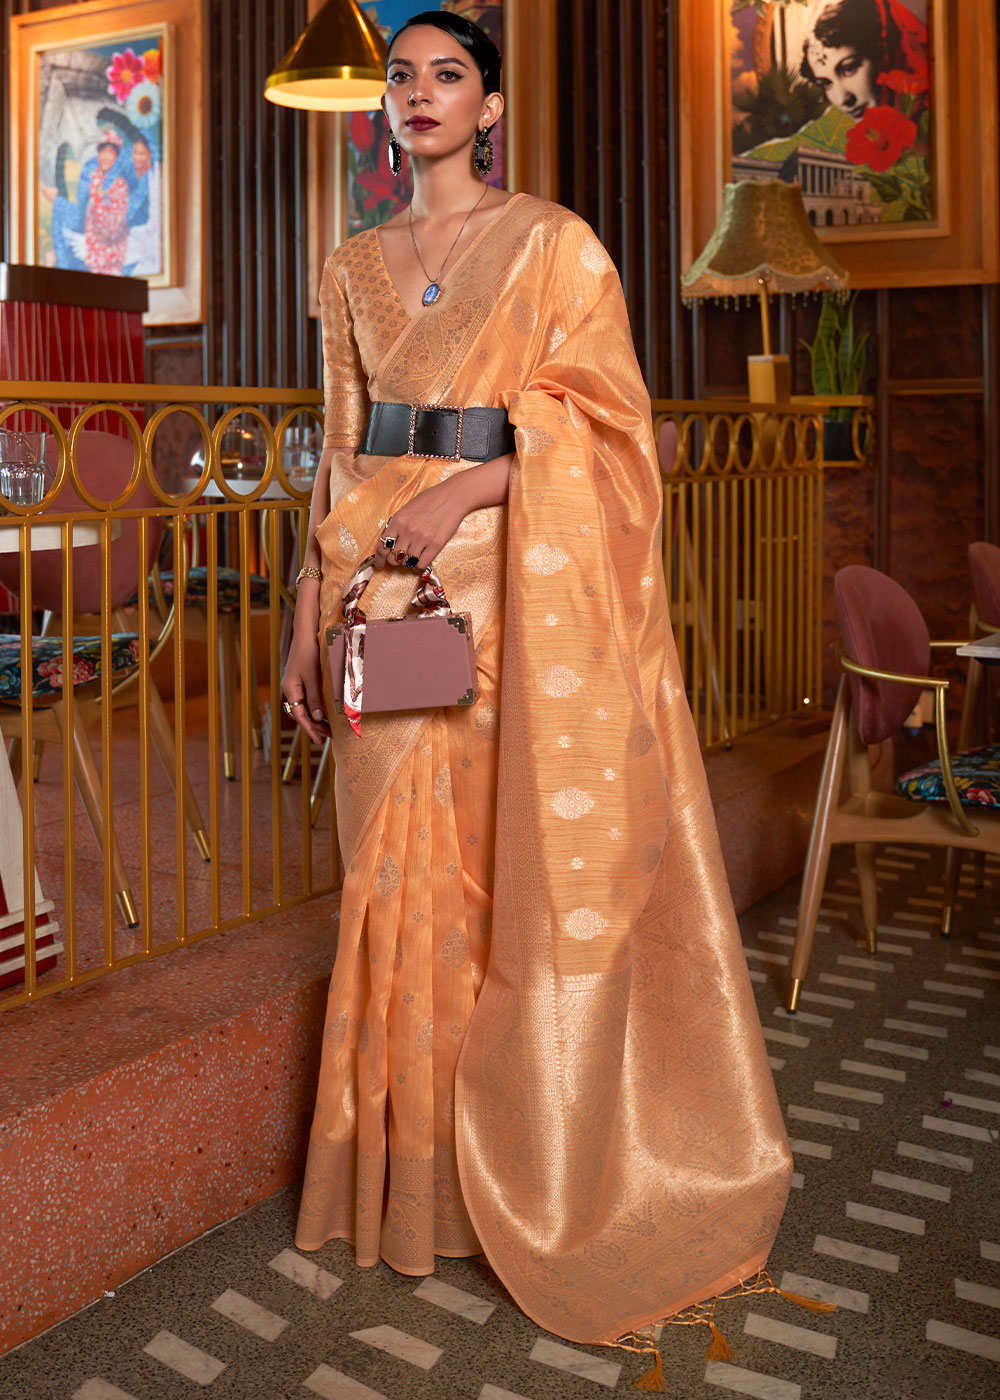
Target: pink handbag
{"type": "Point", "coordinates": [415, 662]}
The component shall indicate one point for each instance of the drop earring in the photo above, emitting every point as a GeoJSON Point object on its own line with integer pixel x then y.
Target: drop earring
{"type": "Point", "coordinates": [483, 152]}
{"type": "Point", "coordinates": [395, 155]}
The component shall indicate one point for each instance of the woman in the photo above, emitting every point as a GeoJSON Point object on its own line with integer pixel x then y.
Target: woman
{"type": "Point", "coordinates": [541, 1039]}
{"type": "Point", "coordinates": [855, 45]}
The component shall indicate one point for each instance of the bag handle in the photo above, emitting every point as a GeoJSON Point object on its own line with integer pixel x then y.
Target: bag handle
{"type": "Point", "coordinates": [429, 595]}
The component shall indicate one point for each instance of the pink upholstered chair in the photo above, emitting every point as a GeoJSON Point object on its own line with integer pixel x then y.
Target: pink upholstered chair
{"type": "Point", "coordinates": [886, 657]}
{"type": "Point", "coordinates": [105, 462]}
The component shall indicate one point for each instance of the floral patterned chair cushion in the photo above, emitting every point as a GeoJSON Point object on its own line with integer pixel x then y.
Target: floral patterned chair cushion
{"type": "Point", "coordinates": [977, 777]}
{"type": "Point", "coordinates": [229, 588]}
{"type": "Point", "coordinates": [47, 662]}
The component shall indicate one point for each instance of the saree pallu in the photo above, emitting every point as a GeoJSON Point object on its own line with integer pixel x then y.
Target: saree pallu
{"type": "Point", "coordinates": [541, 1036]}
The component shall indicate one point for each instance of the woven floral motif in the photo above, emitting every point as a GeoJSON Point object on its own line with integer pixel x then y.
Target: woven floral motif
{"type": "Point", "coordinates": [47, 662]}
{"type": "Point", "coordinates": [977, 777]}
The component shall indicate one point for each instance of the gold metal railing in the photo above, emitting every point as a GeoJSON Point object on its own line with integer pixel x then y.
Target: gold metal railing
{"type": "Point", "coordinates": [742, 554]}
{"type": "Point", "coordinates": [70, 898]}
{"type": "Point", "coordinates": [742, 549]}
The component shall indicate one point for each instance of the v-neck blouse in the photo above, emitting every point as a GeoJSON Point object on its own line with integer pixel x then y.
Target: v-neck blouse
{"type": "Point", "coordinates": [377, 312]}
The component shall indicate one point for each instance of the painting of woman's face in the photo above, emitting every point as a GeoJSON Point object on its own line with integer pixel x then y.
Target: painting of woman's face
{"type": "Point", "coordinates": [846, 78]}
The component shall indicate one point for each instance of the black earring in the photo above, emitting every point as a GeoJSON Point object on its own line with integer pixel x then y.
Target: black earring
{"type": "Point", "coordinates": [483, 154]}
{"type": "Point", "coordinates": [395, 155]}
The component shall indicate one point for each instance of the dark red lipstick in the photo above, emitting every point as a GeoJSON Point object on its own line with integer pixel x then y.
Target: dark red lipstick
{"type": "Point", "coordinates": [422, 123]}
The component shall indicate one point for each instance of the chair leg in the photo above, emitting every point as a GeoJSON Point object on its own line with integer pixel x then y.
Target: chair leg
{"type": "Point", "coordinates": [952, 870]}
{"type": "Point", "coordinates": [248, 677]}
{"type": "Point", "coordinates": [227, 690]}
{"type": "Point", "coordinates": [89, 783]}
{"type": "Point", "coordinates": [864, 855]}
{"type": "Point", "coordinates": [295, 755]}
{"type": "Point", "coordinates": [163, 739]}
{"type": "Point", "coordinates": [818, 856]}
{"type": "Point", "coordinates": [15, 750]}
{"type": "Point", "coordinates": [321, 782]}
{"type": "Point", "coordinates": [51, 627]}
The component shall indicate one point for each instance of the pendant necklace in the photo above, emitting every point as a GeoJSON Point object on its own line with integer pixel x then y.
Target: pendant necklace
{"type": "Point", "coordinates": [434, 289]}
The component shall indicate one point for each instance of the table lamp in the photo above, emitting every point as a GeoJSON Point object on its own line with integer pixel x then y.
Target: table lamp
{"type": "Point", "coordinates": [337, 64]}
{"type": "Point", "coordinates": [763, 243]}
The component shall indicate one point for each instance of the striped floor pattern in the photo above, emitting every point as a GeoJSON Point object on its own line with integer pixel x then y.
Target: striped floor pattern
{"type": "Point", "coordinates": [889, 1078]}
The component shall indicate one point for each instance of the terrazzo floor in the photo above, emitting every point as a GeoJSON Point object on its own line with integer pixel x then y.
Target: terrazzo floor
{"type": "Point", "coordinates": [889, 1078]}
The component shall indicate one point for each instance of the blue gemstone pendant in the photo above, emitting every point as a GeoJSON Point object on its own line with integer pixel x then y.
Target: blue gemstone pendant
{"type": "Point", "coordinates": [431, 294]}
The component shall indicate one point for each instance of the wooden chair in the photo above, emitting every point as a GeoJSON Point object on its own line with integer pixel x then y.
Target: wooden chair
{"type": "Point", "coordinates": [886, 659]}
{"type": "Point", "coordinates": [107, 459]}
{"type": "Point", "coordinates": [982, 686]}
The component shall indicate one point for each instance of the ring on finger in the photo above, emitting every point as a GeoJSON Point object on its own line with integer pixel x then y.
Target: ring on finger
{"type": "Point", "coordinates": [388, 541]}
{"type": "Point", "coordinates": [412, 560]}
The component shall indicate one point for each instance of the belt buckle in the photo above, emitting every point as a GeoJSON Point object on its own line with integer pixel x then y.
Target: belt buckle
{"type": "Point", "coordinates": [436, 407]}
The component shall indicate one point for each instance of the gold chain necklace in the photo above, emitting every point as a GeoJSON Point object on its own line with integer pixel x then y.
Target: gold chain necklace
{"type": "Point", "coordinates": [434, 289]}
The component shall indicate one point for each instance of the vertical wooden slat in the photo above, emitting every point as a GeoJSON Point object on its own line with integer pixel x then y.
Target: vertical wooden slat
{"type": "Point", "coordinates": [991, 415]}
{"type": "Point", "coordinates": [628, 93]}
{"type": "Point", "coordinates": [650, 107]}
{"type": "Point", "coordinates": [881, 552]}
{"type": "Point", "coordinates": [680, 374]}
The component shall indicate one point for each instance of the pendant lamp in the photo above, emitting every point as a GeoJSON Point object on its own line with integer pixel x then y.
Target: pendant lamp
{"type": "Point", "coordinates": [337, 64]}
{"type": "Point", "coordinates": [763, 243]}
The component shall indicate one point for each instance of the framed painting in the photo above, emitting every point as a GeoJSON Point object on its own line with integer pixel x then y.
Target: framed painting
{"type": "Point", "coordinates": [106, 162]}
{"type": "Point", "coordinates": [847, 98]}
{"type": "Point", "coordinates": [351, 185]}
{"type": "Point", "coordinates": [880, 110]}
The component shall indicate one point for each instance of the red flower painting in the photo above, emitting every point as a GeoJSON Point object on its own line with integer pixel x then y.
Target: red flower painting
{"type": "Point", "coordinates": [362, 132]}
{"type": "Point", "coordinates": [880, 138]}
{"type": "Point", "coordinates": [904, 81]}
{"type": "Point", "coordinates": [126, 70]}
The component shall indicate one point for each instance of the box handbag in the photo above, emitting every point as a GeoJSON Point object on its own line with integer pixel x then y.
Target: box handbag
{"type": "Point", "coordinates": [418, 661]}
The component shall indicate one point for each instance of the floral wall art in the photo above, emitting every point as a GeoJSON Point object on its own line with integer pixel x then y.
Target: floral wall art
{"type": "Point", "coordinates": [840, 96]}
{"type": "Point", "coordinates": [106, 151]}
{"type": "Point", "coordinates": [101, 129]}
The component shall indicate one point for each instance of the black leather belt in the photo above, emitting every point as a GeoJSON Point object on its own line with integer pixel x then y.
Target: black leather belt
{"type": "Point", "coordinates": [438, 430]}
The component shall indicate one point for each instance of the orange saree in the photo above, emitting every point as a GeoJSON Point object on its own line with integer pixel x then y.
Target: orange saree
{"type": "Point", "coordinates": [541, 1040]}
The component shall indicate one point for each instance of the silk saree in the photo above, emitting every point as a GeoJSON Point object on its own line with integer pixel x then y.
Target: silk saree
{"type": "Point", "coordinates": [541, 1041]}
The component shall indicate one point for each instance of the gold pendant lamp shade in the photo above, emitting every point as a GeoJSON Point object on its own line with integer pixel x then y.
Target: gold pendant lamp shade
{"type": "Point", "coordinates": [337, 64]}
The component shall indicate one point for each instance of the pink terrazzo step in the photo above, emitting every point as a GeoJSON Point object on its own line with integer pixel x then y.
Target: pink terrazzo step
{"type": "Point", "coordinates": [140, 1110]}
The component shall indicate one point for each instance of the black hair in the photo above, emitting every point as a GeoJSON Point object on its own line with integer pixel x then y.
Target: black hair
{"type": "Point", "coordinates": [477, 43]}
{"type": "Point", "coordinates": [852, 24]}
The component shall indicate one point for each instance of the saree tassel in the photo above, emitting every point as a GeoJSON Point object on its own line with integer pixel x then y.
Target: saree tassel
{"type": "Point", "coordinates": [652, 1380]}
{"type": "Point", "coordinates": [718, 1349]}
{"type": "Point", "coordinates": [813, 1304]}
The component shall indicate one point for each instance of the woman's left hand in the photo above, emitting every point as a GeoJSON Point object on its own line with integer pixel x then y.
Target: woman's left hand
{"type": "Point", "coordinates": [423, 526]}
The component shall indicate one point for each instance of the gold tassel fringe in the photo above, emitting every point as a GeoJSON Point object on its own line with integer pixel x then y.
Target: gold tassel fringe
{"type": "Point", "coordinates": [718, 1349]}
{"type": "Point", "coordinates": [703, 1315]}
{"type": "Point", "coordinates": [653, 1380]}
{"type": "Point", "coordinates": [813, 1304]}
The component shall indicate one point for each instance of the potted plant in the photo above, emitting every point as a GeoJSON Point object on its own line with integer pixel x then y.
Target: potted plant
{"type": "Point", "coordinates": [838, 358]}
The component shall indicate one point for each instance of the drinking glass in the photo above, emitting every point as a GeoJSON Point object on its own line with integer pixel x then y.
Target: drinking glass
{"type": "Point", "coordinates": [24, 472]}
{"type": "Point", "coordinates": [300, 454]}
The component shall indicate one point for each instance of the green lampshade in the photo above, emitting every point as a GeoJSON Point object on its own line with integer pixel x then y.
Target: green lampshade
{"type": "Point", "coordinates": [763, 237]}
{"type": "Point", "coordinates": [337, 64]}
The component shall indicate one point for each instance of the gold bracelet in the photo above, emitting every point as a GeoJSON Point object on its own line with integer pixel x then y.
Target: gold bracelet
{"type": "Point", "coordinates": [308, 572]}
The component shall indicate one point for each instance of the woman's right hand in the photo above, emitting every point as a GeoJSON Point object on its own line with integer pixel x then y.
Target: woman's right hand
{"type": "Point", "coordinates": [301, 684]}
